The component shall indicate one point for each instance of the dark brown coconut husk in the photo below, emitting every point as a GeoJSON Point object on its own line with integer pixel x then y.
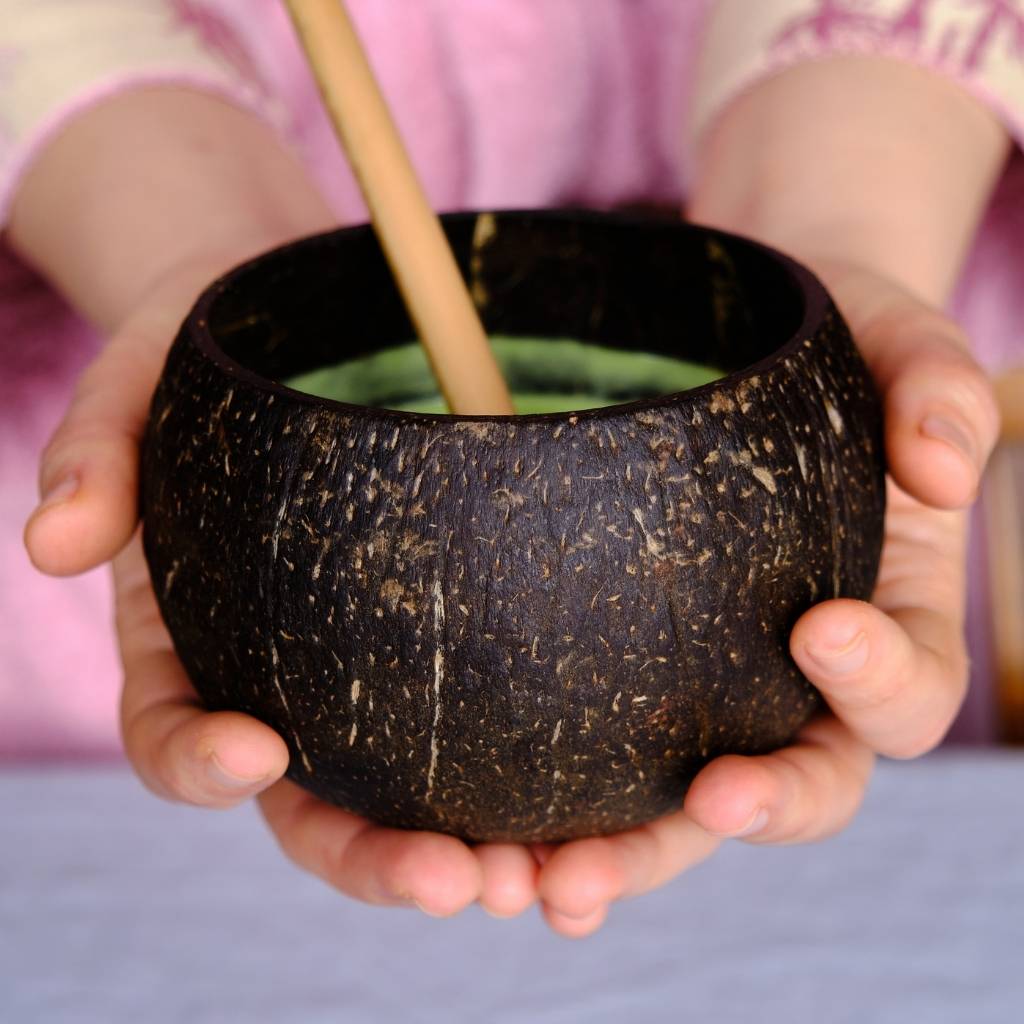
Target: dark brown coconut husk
{"type": "Point", "coordinates": [529, 628]}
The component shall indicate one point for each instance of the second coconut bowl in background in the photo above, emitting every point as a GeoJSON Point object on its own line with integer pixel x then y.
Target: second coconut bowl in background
{"type": "Point", "coordinates": [524, 628]}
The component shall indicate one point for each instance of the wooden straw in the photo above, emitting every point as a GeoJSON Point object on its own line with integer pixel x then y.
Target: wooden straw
{"type": "Point", "coordinates": [408, 229]}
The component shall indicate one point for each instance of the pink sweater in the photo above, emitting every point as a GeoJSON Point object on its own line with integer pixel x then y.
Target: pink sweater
{"type": "Point", "coordinates": [503, 103]}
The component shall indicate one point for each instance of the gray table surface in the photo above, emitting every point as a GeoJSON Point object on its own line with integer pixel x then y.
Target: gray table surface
{"type": "Point", "coordinates": [117, 907]}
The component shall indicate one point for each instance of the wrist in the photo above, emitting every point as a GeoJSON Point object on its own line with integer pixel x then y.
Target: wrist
{"type": "Point", "coordinates": [860, 161]}
{"type": "Point", "coordinates": [152, 186]}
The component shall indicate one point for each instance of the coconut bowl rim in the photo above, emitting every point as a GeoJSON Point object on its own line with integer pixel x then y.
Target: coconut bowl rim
{"type": "Point", "coordinates": [817, 304]}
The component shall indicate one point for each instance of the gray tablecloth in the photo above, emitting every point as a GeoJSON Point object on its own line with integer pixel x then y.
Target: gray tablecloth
{"type": "Point", "coordinates": [117, 907]}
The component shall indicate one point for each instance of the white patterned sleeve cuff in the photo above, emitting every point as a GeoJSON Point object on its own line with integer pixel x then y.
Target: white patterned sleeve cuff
{"type": "Point", "coordinates": [60, 57]}
{"type": "Point", "coordinates": [978, 43]}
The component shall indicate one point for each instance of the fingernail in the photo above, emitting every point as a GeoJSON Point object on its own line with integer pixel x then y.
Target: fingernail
{"type": "Point", "coordinates": [498, 915]}
{"type": "Point", "coordinates": [221, 777]}
{"type": "Point", "coordinates": [426, 910]}
{"type": "Point", "coordinates": [757, 823]}
{"type": "Point", "coordinates": [941, 428]}
{"type": "Point", "coordinates": [843, 660]}
{"type": "Point", "coordinates": [62, 490]}
{"type": "Point", "coordinates": [585, 916]}
{"type": "Point", "coordinates": [398, 899]}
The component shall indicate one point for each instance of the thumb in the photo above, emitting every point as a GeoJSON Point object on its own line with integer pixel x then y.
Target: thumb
{"type": "Point", "coordinates": [89, 470]}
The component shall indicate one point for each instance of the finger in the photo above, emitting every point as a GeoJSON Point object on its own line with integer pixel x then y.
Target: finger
{"type": "Point", "coordinates": [509, 878]}
{"type": "Point", "coordinates": [179, 750]}
{"type": "Point", "coordinates": [174, 745]}
{"type": "Point", "coordinates": [896, 680]}
{"type": "Point", "coordinates": [385, 866]}
{"type": "Point", "coordinates": [89, 470]}
{"type": "Point", "coordinates": [582, 876]}
{"type": "Point", "coordinates": [805, 792]}
{"type": "Point", "coordinates": [942, 420]}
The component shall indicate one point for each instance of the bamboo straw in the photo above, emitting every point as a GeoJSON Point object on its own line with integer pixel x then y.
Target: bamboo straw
{"type": "Point", "coordinates": [408, 229]}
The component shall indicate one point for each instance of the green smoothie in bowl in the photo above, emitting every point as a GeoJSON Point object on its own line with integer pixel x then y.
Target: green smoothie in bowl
{"type": "Point", "coordinates": [545, 376]}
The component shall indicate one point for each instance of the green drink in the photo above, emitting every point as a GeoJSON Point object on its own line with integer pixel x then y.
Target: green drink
{"type": "Point", "coordinates": [544, 375]}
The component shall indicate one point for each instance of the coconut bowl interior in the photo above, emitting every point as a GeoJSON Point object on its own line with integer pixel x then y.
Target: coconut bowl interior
{"type": "Point", "coordinates": [617, 283]}
{"type": "Point", "coordinates": [514, 628]}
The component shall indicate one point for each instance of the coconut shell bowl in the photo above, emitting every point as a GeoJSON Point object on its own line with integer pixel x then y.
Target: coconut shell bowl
{"type": "Point", "coordinates": [527, 628]}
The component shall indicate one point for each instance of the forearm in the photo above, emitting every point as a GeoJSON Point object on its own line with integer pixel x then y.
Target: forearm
{"type": "Point", "coordinates": [151, 183]}
{"type": "Point", "coordinates": [855, 161]}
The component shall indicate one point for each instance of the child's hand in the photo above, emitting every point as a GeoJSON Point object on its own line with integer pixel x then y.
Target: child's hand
{"type": "Point", "coordinates": [893, 672]}
{"type": "Point", "coordinates": [184, 753]}
{"type": "Point", "coordinates": [171, 188]}
{"type": "Point", "coordinates": [179, 750]}
{"type": "Point", "coordinates": [875, 174]}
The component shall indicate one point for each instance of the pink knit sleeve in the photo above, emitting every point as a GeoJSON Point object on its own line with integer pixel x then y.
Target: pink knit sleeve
{"type": "Point", "coordinates": [57, 59]}
{"type": "Point", "coordinates": [979, 43]}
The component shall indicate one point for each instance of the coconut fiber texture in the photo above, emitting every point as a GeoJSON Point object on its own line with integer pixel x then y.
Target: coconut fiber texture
{"type": "Point", "coordinates": [528, 628]}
